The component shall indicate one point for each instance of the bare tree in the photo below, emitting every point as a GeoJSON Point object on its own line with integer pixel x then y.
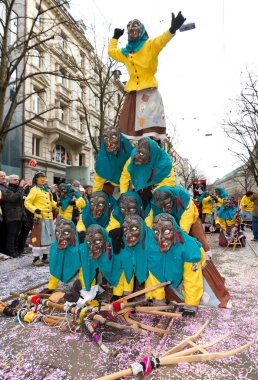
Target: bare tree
{"type": "Point", "coordinates": [101, 80]}
{"type": "Point", "coordinates": [188, 173]}
{"type": "Point", "coordinates": [245, 179]}
{"type": "Point", "coordinates": [243, 128]}
{"type": "Point", "coordinates": [21, 36]}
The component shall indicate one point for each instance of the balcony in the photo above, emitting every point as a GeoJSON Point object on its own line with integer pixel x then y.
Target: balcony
{"type": "Point", "coordinates": [61, 130]}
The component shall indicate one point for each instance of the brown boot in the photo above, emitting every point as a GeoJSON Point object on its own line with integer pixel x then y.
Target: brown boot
{"type": "Point", "coordinates": [45, 259]}
{"type": "Point", "coordinates": [37, 262]}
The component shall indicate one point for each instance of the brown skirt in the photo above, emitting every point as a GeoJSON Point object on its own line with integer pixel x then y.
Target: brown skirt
{"type": "Point", "coordinates": [198, 232]}
{"type": "Point", "coordinates": [128, 117]}
{"type": "Point", "coordinates": [214, 288]}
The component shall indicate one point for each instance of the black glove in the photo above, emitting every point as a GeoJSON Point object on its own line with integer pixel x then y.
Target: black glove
{"type": "Point", "coordinates": [81, 235]}
{"type": "Point", "coordinates": [146, 196]}
{"type": "Point", "coordinates": [118, 33]}
{"type": "Point", "coordinates": [72, 203]}
{"type": "Point", "coordinates": [117, 239]}
{"type": "Point", "coordinates": [188, 311]}
{"type": "Point", "coordinates": [59, 204]}
{"type": "Point", "coordinates": [38, 211]}
{"type": "Point", "coordinates": [176, 22]}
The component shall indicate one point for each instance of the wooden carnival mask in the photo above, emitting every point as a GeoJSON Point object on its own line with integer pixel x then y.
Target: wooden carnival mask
{"type": "Point", "coordinates": [163, 200]}
{"type": "Point", "coordinates": [95, 240]}
{"type": "Point", "coordinates": [128, 205]}
{"type": "Point", "coordinates": [63, 190]}
{"type": "Point", "coordinates": [132, 229]}
{"type": "Point", "coordinates": [134, 29]}
{"type": "Point", "coordinates": [227, 202]}
{"type": "Point", "coordinates": [142, 155]}
{"type": "Point", "coordinates": [164, 232]}
{"type": "Point", "coordinates": [98, 204]}
{"type": "Point", "coordinates": [65, 234]}
{"type": "Point", "coordinates": [111, 138]}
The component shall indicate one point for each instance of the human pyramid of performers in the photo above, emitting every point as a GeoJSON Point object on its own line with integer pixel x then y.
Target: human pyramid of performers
{"type": "Point", "coordinates": [138, 231]}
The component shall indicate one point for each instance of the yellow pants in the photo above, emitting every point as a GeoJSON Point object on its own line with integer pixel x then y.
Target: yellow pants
{"type": "Point", "coordinates": [53, 281]}
{"type": "Point", "coordinates": [123, 286]}
{"type": "Point", "coordinates": [157, 294]}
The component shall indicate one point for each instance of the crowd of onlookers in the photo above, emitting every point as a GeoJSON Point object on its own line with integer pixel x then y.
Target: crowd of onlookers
{"type": "Point", "coordinates": [16, 221]}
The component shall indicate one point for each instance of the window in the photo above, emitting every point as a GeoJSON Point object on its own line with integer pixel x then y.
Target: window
{"type": "Point", "coordinates": [82, 60]}
{"type": "Point", "coordinates": [61, 155]}
{"type": "Point", "coordinates": [81, 124]}
{"type": "Point", "coordinates": [81, 159]}
{"type": "Point", "coordinates": [35, 100]}
{"type": "Point", "coordinates": [13, 85]}
{"type": "Point", "coordinates": [13, 27]}
{"type": "Point", "coordinates": [64, 113]}
{"type": "Point", "coordinates": [64, 41]}
{"type": "Point", "coordinates": [36, 58]}
{"type": "Point", "coordinates": [39, 15]}
{"type": "Point", "coordinates": [35, 146]}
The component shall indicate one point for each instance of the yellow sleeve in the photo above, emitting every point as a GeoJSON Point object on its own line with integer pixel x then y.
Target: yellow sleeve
{"type": "Point", "coordinates": [193, 283]}
{"type": "Point", "coordinates": [114, 52]}
{"type": "Point", "coordinates": [219, 202]}
{"type": "Point", "coordinates": [80, 202]}
{"type": "Point", "coordinates": [160, 42]}
{"type": "Point", "coordinates": [98, 182]}
{"type": "Point", "coordinates": [28, 203]}
{"type": "Point", "coordinates": [80, 225]}
{"type": "Point", "coordinates": [80, 277]}
{"type": "Point", "coordinates": [170, 180]}
{"type": "Point", "coordinates": [125, 178]}
{"type": "Point", "coordinates": [222, 223]}
{"type": "Point", "coordinates": [149, 219]}
{"type": "Point", "coordinates": [188, 217]}
{"type": "Point", "coordinates": [113, 223]}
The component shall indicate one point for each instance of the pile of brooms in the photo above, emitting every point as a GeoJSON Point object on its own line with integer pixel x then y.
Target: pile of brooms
{"type": "Point", "coordinates": [32, 306]}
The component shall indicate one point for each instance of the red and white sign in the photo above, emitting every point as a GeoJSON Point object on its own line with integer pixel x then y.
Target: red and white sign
{"type": "Point", "coordinates": [32, 163]}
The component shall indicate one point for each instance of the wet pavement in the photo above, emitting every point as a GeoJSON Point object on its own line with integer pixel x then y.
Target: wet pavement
{"type": "Point", "coordinates": [36, 351]}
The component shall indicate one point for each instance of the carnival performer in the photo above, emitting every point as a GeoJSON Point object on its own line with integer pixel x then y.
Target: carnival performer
{"type": "Point", "coordinates": [40, 202]}
{"type": "Point", "coordinates": [148, 167]}
{"type": "Point", "coordinates": [229, 220]}
{"type": "Point", "coordinates": [97, 255]}
{"type": "Point", "coordinates": [114, 151]}
{"type": "Point", "coordinates": [219, 195]}
{"type": "Point", "coordinates": [128, 203]}
{"type": "Point", "coordinates": [207, 204]}
{"type": "Point", "coordinates": [134, 255]}
{"type": "Point", "coordinates": [97, 211]}
{"type": "Point", "coordinates": [177, 201]}
{"type": "Point", "coordinates": [181, 260]}
{"type": "Point", "coordinates": [143, 111]}
{"type": "Point", "coordinates": [69, 199]}
{"type": "Point", "coordinates": [246, 210]}
{"type": "Point", "coordinates": [64, 261]}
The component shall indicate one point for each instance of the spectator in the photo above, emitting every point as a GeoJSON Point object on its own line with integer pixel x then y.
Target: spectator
{"type": "Point", "coordinates": [254, 198]}
{"type": "Point", "coordinates": [2, 219]}
{"type": "Point", "coordinates": [88, 191]}
{"type": "Point", "coordinates": [27, 220]}
{"type": "Point", "coordinates": [13, 210]}
{"type": "Point", "coordinates": [246, 210]}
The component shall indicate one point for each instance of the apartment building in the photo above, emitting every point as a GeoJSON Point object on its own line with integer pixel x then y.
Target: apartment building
{"type": "Point", "coordinates": [61, 95]}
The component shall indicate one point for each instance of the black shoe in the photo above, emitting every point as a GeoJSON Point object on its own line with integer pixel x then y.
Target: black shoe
{"type": "Point", "coordinates": [14, 255]}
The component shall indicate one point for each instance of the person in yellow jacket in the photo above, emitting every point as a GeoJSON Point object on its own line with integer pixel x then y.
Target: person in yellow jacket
{"type": "Point", "coordinates": [40, 203]}
{"type": "Point", "coordinates": [246, 210]}
{"type": "Point", "coordinates": [148, 167]}
{"type": "Point", "coordinates": [69, 200]}
{"type": "Point", "coordinates": [143, 111]}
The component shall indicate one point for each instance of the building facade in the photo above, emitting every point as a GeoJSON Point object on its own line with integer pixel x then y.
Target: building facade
{"type": "Point", "coordinates": [62, 101]}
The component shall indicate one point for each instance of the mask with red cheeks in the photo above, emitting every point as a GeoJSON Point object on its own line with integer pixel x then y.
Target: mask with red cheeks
{"type": "Point", "coordinates": [164, 232]}
{"type": "Point", "coordinates": [128, 205]}
{"type": "Point", "coordinates": [64, 234]}
{"type": "Point", "coordinates": [98, 204]}
{"type": "Point", "coordinates": [164, 201]}
{"type": "Point", "coordinates": [142, 155]}
{"type": "Point", "coordinates": [111, 138]}
{"type": "Point", "coordinates": [132, 230]}
{"type": "Point", "coordinates": [134, 29]}
{"type": "Point", "coordinates": [96, 242]}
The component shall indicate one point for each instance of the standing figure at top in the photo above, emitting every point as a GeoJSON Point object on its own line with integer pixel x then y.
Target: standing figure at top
{"type": "Point", "coordinates": [143, 111]}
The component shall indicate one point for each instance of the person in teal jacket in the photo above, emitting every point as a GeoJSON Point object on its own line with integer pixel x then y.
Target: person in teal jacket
{"type": "Point", "coordinates": [96, 254]}
{"type": "Point", "coordinates": [64, 262]}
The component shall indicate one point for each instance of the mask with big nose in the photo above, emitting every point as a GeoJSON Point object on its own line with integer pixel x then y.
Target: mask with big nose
{"type": "Point", "coordinates": [98, 204]}
{"type": "Point", "coordinates": [142, 155]}
{"type": "Point", "coordinates": [95, 240]}
{"type": "Point", "coordinates": [111, 138]}
{"type": "Point", "coordinates": [65, 234]}
{"type": "Point", "coordinates": [164, 201]}
{"type": "Point", "coordinates": [164, 232]}
{"type": "Point", "coordinates": [128, 205]}
{"type": "Point", "coordinates": [134, 29]}
{"type": "Point", "coordinates": [132, 227]}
